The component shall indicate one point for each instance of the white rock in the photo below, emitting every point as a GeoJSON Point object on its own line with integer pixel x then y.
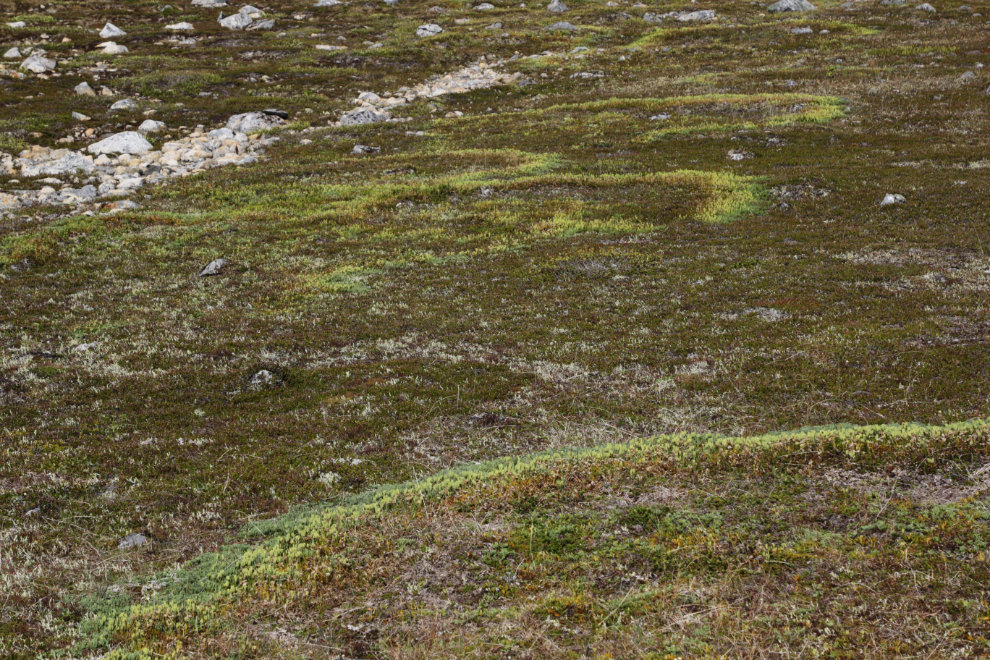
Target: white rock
{"type": "Point", "coordinates": [703, 15]}
{"type": "Point", "coordinates": [366, 115]}
{"type": "Point", "coordinates": [83, 89]}
{"type": "Point", "coordinates": [128, 142]}
{"type": "Point", "coordinates": [16, 24]}
{"type": "Point", "coordinates": [151, 126]}
{"type": "Point", "coordinates": [253, 122]}
{"type": "Point", "coordinates": [124, 104]}
{"type": "Point", "coordinates": [38, 64]}
{"type": "Point", "coordinates": [212, 4]}
{"type": "Point", "coordinates": [484, 6]}
{"type": "Point", "coordinates": [222, 134]}
{"type": "Point", "coordinates": [112, 48]}
{"type": "Point", "coordinates": [926, 7]}
{"type": "Point", "coordinates": [328, 3]}
{"type": "Point", "coordinates": [180, 26]}
{"type": "Point", "coordinates": [236, 21]}
{"type": "Point", "coordinates": [557, 7]}
{"type": "Point", "coordinates": [790, 5]}
{"type": "Point", "coordinates": [78, 116]}
{"type": "Point", "coordinates": [251, 11]}
{"type": "Point", "coordinates": [369, 97]}
{"type": "Point", "coordinates": [110, 30]}
{"type": "Point", "coordinates": [12, 54]}
{"type": "Point", "coordinates": [428, 30]}
{"type": "Point", "coordinates": [68, 164]}
{"type": "Point", "coordinates": [892, 198]}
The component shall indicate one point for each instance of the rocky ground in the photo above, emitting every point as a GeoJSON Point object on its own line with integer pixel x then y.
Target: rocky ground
{"type": "Point", "coordinates": [255, 258]}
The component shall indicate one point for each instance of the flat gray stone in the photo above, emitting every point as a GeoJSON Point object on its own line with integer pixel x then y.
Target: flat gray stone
{"type": "Point", "coordinates": [128, 142]}
{"type": "Point", "coordinates": [254, 122]}
{"type": "Point", "coordinates": [360, 116]}
{"type": "Point", "coordinates": [38, 64]}
{"type": "Point", "coordinates": [124, 104]}
{"type": "Point", "coordinates": [12, 54]}
{"type": "Point", "coordinates": [428, 30]}
{"type": "Point", "coordinates": [790, 5]}
{"type": "Point", "coordinates": [151, 126]}
{"type": "Point", "coordinates": [562, 25]}
{"type": "Point", "coordinates": [68, 164]}
{"type": "Point", "coordinates": [703, 15]}
{"type": "Point", "coordinates": [236, 21]}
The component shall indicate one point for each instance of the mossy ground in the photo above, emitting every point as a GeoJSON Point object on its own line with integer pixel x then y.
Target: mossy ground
{"type": "Point", "coordinates": [560, 266]}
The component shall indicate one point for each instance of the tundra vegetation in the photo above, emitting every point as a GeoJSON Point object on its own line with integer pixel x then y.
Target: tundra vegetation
{"type": "Point", "coordinates": [624, 358]}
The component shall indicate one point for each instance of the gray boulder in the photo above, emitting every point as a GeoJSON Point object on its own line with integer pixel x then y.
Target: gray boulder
{"type": "Point", "coordinates": [892, 198]}
{"type": "Point", "coordinates": [254, 122]}
{"type": "Point", "coordinates": [328, 3]}
{"type": "Point", "coordinates": [151, 126]}
{"type": "Point", "coordinates": [703, 15]}
{"type": "Point", "coordinates": [360, 116]}
{"type": "Point", "coordinates": [68, 163]}
{"type": "Point", "coordinates": [562, 26]}
{"type": "Point", "coordinates": [236, 21]}
{"type": "Point", "coordinates": [12, 54]}
{"type": "Point", "coordinates": [790, 5]}
{"type": "Point", "coordinates": [124, 104]}
{"type": "Point", "coordinates": [128, 142]}
{"type": "Point", "coordinates": [210, 4]}
{"type": "Point", "coordinates": [266, 24]}
{"type": "Point", "coordinates": [83, 89]}
{"type": "Point", "coordinates": [428, 30]}
{"type": "Point", "coordinates": [926, 7]}
{"type": "Point", "coordinates": [38, 64]}
{"type": "Point", "coordinates": [557, 7]}
{"type": "Point", "coordinates": [110, 30]}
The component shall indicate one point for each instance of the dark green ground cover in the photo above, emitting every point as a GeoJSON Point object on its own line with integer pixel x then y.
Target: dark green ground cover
{"type": "Point", "coordinates": [554, 268]}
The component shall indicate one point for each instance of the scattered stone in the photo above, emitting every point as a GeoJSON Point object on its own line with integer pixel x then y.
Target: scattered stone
{"type": "Point", "coordinates": [12, 54]}
{"type": "Point", "coordinates": [132, 541]}
{"type": "Point", "coordinates": [281, 114]}
{"type": "Point", "coordinates": [790, 5]}
{"type": "Point", "coordinates": [38, 64]}
{"type": "Point", "coordinates": [494, 26]}
{"type": "Point", "coordinates": [128, 142]}
{"type": "Point", "coordinates": [562, 26]}
{"type": "Point", "coordinates": [112, 48]}
{"type": "Point", "coordinates": [237, 21]}
{"type": "Point", "coordinates": [266, 24]}
{"type": "Point", "coordinates": [121, 205]}
{"type": "Point", "coordinates": [215, 267]}
{"type": "Point", "coordinates": [802, 30]}
{"type": "Point", "coordinates": [328, 3]}
{"type": "Point", "coordinates": [151, 126]}
{"type": "Point", "coordinates": [209, 4]}
{"type": "Point", "coordinates": [78, 116]}
{"type": "Point", "coordinates": [557, 7]}
{"type": "Point", "coordinates": [364, 149]}
{"type": "Point", "coordinates": [927, 7]}
{"type": "Point", "coordinates": [254, 122]}
{"type": "Point", "coordinates": [124, 104]}
{"type": "Point", "coordinates": [967, 76]}
{"type": "Point", "coordinates": [892, 198]}
{"type": "Point", "coordinates": [484, 6]}
{"type": "Point", "coordinates": [703, 15]}
{"type": "Point", "coordinates": [428, 30]}
{"type": "Point", "coordinates": [110, 30]}
{"type": "Point", "coordinates": [69, 163]}
{"type": "Point", "coordinates": [83, 89]}
{"type": "Point", "coordinates": [16, 24]}
{"type": "Point", "coordinates": [365, 115]}
{"type": "Point", "coordinates": [183, 26]}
